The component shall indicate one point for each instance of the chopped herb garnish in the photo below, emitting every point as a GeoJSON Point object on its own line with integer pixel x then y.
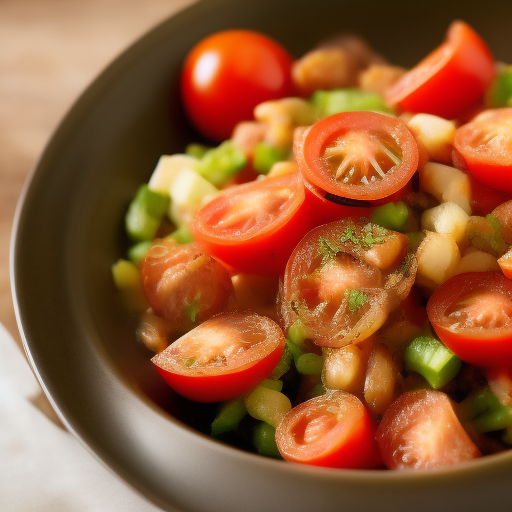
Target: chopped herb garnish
{"type": "Point", "coordinates": [372, 234]}
{"type": "Point", "coordinates": [356, 299]}
{"type": "Point", "coordinates": [326, 249]}
{"type": "Point", "coordinates": [191, 310]}
{"type": "Point", "coordinates": [349, 236]}
{"type": "Point", "coordinates": [294, 304]}
{"type": "Point", "coordinates": [190, 361]}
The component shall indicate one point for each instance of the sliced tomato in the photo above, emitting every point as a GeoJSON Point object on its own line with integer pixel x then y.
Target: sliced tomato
{"type": "Point", "coordinates": [505, 263]}
{"type": "Point", "coordinates": [450, 79]}
{"type": "Point", "coordinates": [254, 227]}
{"type": "Point", "coordinates": [420, 430]}
{"type": "Point", "coordinates": [333, 430]}
{"type": "Point", "coordinates": [503, 213]}
{"type": "Point", "coordinates": [486, 146]}
{"type": "Point", "coordinates": [223, 357]}
{"type": "Point", "coordinates": [472, 315]}
{"type": "Point", "coordinates": [343, 279]}
{"type": "Point", "coordinates": [358, 155]}
{"type": "Point", "coordinates": [500, 382]}
{"type": "Point", "coordinates": [184, 285]}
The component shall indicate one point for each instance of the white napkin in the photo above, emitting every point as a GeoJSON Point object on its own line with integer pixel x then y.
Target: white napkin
{"type": "Point", "coordinates": [43, 468]}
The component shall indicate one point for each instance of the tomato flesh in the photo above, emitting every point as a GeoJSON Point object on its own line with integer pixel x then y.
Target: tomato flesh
{"type": "Point", "coordinates": [472, 315]}
{"type": "Point", "coordinates": [334, 430]}
{"type": "Point", "coordinates": [449, 80]}
{"type": "Point", "coordinates": [421, 431]}
{"type": "Point", "coordinates": [227, 74]}
{"type": "Point", "coordinates": [254, 227]}
{"type": "Point", "coordinates": [223, 357]}
{"type": "Point", "coordinates": [358, 155]}
{"type": "Point", "coordinates": [486, 146]}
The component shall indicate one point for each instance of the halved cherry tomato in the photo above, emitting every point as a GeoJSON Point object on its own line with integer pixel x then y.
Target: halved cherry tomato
{"type": "Point", "coordinates": [254, 227]}
{"type": "Point", "coordinates": [421, 431]}
{"type": "Point", "coordinates": [343, 279]}
{"type": "Point", "coordinates": [223, 357]}
{"type": "Point", "coordinates": [358, 155]}
{"type": "Point", "coordinates": [227, 74]}
{"type": "Point", "coordinates": [184, 285]}
{"type": "Point", "coordinates": [472, 315]}
{"type": "Point", "coordinates": [486, 145]}
{"type": "Point", "coordinates": [333, 430]}
{"type": "Point", "coordinates": [449, 80]}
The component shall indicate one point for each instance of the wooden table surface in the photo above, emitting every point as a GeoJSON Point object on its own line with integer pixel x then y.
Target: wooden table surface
{"type": "Point", "coordinates": [49, 52]}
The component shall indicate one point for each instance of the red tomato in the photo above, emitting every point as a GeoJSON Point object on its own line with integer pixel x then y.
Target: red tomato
{"type": "Point", "coordinates": [254, 227]}
{"type": "Point", "coordinates": [358, 155]}
{"type": "Point", "coordinates": [449, 80]}
{"type": "Point", "coordinates": [227, 74]}
{"type": "Point", "coordinates": [223, 357]}
{"type": "Point", "coordinates": [343, 279]}
{"type": "Point", "coordinates": [333, 430]}
{"type": "Point", "coordinates": [472, 315]}
{"type": "Point", "coordinates": [184, 285]}
{"type": "Point", "coordinates": [505, 263]}
{"type": "Point", "coordinates": [421, 431]}
{"type": "Point", "coordinates": [486, 146]}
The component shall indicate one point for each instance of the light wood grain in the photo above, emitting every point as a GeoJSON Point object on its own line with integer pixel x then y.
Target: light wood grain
{"type": "Point", "coordinates": [49, 52]}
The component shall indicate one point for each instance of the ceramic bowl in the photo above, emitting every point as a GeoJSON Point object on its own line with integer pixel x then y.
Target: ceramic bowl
{"type": "Point", "coordinates": [69, 231]}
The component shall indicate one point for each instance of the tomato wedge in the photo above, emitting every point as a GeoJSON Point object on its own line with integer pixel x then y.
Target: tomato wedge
{"type": "Point", "coordinates": [343, 279]}
{"type": "Point", "coordinates": [486, 146]}
{"type": "Point", "coordinates": [500, 382]}
{"type": "Point", "coordinates": [184, 285]}
{"type": "Point", "coordinates": [358, 155]}
{"type": "Point", "coordinates": [254, 227]}
{"type": "Point", "coordinates": [450, 79]}
{"type": "Point", "coordinates": [472, 315]}
{"type": "Point", "coordinates": [223, 357]}
{"type": "Point", "coordinates": [421, 431]}
{"type": "Point", "coordinates": [333, 430]}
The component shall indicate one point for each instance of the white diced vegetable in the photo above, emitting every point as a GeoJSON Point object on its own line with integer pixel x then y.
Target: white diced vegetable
{"type": "Point", "coordinates": [166, 169]}
{"type": "Point", "coordinates": [436, 133]}
{"type": "Point", "coordinates": [474, 260]}
{"type": "Point", "coordinates": [189, 193]}
{"type": "Point", "coordinates": [446, 184]}
{"type": "Point", "coordinates": [447, 218]}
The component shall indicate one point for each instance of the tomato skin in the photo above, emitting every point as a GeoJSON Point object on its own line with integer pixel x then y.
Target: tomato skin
{"type": "Point", "coordinates": [214, 383]}
{"type": "Point", "coordinates": [500, 382]}
{"type": "Point", "coordinates": [505, 263]}
{"type": "Point", "coordinates": [484, 143]}
{"type": "Point", "coordinates": [370, 126]}
{"type": "Point", "coordinates": [450, 79]}
{"type": "Point", "coordinates": [482, 345]}
{"type": "Point", "coordinates": [227, 74]}
{"type": "Point", "coordinates": [421, 431]}
{"type": "Point", "coordinates": [346, 441]}
{"type": "Point", "coordinates": [267, 248]}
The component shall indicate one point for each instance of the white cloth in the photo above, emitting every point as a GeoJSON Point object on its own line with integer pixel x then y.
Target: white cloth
{"type": "Point", "coordinates": [43, 468]}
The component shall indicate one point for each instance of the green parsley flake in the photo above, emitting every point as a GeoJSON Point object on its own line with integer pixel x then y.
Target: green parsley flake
{"type": "Point", "coordinates": [191, 310]}
{"type": "Point", "coordinates": [326, 249]}
{"type": "Point", "coordinates": [349, 236]}
{"type": "Point", "coordinates": [372, 234]}
{"type": "Point", "coordinates": [356, 299]}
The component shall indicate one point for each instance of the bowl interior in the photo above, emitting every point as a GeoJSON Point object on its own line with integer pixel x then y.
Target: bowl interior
{"type": "Point", "coordinates": [69, 231]}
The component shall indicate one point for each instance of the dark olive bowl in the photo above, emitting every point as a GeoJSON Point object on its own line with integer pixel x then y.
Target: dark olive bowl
{"type": "Point", "coordinates": [69, 231]}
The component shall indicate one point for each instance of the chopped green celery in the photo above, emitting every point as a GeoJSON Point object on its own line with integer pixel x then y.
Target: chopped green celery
{"type": "Point", "coordinates": [499, 93]}
{"type": "Point", "coordinates": [276, 385]}
{"type": "Point", "coordinates": [294, 350]}
{"type": "Point", "coordinates": [297, 333]}
{"type": "Point", "coordinates": [137, 252]}
{"type": "Point", "coordinates": [196, 150]}
{"type": "Point", "coordinates": [391, 216]}
{"type": "Point", "coordinates": [264, 440]}
{"type": "Point", "coordinates": [310, 364]}
{"type": "Point", "coordinates": [332, 102]}
{"type": "Point", "coordinates": [317, 390]}
{"type": "Point", "coordinates": [267, 405]}
{"type": "Point", "coordinates": [415, 239]}
{"type": "Point", "coordinates": [145, 214]}
{"type": "Point", "coordinates": [284, 364]}
{"type": "Point", "coordinates": [182, 235]}
{"type": "Point", "coordinates": [220, 164]}
{"type": "Point", "coordinates": [229, 416]}
{"type": "Point", "coordinates": [431, 359]}
{"type": "Point", "coordinates": [265, 156]}
{"type": "Point", "coordinates": [485, 411]}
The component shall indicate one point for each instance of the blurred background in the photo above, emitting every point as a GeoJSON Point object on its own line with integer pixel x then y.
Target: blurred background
{"type": "Point", "coordinates": [50, 50]}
